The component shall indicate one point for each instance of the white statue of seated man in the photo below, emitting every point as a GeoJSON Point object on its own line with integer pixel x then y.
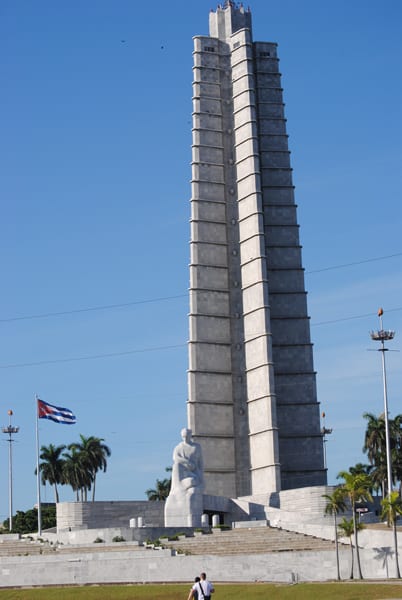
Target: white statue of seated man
{"type": "Point", "coordinates": [184, 504]}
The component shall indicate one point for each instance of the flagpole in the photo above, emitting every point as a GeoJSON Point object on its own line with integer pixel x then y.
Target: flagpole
{"type": "Point", "coordinates": [37, 469]}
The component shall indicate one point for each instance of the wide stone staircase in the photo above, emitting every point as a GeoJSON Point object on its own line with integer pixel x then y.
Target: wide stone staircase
{"type": "Point", "coordinates": [254, 540]}
{"type": "Point", "coordinates": [20, 547]}
{"type": "Point", "coordinates": [26, 547]}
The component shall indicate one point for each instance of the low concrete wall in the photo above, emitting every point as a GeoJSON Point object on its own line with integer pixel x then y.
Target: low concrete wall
{"type": "Point", "coordinates": [161, 567]}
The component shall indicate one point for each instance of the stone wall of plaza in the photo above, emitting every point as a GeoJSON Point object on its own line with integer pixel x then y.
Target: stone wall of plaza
{"type": "Point", "coordinates": [151, 566]}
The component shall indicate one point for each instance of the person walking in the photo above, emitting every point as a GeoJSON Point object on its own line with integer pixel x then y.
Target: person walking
{"type": "Point", "coordinates": [194, 592]}
{"type": "Point", "coordinates": [203, 588]}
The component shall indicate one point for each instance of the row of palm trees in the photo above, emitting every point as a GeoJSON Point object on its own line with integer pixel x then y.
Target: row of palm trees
{"type": "Point", "coordinates": [355, 489]}
{"type": "Point", "coordinates": [76, 465]}
{"type": "Point", "coordinates": [361, 480]}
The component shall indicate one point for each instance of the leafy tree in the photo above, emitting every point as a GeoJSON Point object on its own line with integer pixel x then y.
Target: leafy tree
{"type": "Point", "coordinates": [51, 469]}
{"type": "Point", "coordinates": [356, 489]}
{"type": "Point", "coordinates": [27, 522]}
{"type": "Point", "coordinates": [391, 509]}
{"type": "Point", "coordinates": [335, 505]}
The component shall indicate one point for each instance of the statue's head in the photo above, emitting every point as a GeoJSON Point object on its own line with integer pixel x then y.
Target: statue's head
{"type": "Point", "coordinates": [186, 434]}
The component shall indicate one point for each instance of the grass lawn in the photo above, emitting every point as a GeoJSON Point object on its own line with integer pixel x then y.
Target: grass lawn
{"type": "Point", "coordinates": [257, 591]}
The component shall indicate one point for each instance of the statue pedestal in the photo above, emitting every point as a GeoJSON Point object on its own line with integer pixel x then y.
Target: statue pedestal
{"type": "Point", "coordinates": [183, 510]}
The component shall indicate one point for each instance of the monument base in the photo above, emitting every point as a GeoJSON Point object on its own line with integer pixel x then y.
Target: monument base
{"type": "Point", "coordinates": [183, 511]}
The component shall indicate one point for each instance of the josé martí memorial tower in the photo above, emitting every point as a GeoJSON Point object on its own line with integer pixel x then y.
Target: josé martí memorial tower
{"type": "Point", "coordinates": [252, 401]}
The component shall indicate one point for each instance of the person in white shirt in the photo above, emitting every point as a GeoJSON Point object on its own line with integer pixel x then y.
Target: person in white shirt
{"type": "Point", "coordinates": [194, 593]}
{"type": "Point", "coordinates": [202, 589]}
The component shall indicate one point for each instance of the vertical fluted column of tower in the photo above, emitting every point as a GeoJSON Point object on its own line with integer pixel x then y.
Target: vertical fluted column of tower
{"type": "Point", "coordinates": [261, 400]}
{"type": "Point", "coordinates": [300, 440]}
{"type": "Point", "coordinates": [210, 401]}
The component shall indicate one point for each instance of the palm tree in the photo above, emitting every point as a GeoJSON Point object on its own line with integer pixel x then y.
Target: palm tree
{"type": "Point", "coordinates": [396, 449]}
{"type": "Point", "coordinates": [356, 489]}
{"type": "Point", "coordinates": [161, 491]}
{"type": "Point", "coordinates": [93, 453]}
{"type": "Point", "coordinates": [375, 446]}
{"type": "Point", "coordinates": [396, 458]}
{"type": "Point", "coordinates": [347, 528]}
{"type": "Point", "coordinates": [391, 508]}
{"type": "Point", "coordinates": [335, 504]}
{"type": "Point", "coordinates": [76, 473]}
{"type": "Point", "coordinates": [360, 469]}
{"type": "Point", "coordinates": [374, 439]}
{"type": "Point", "coordinates": [99, 452]}
{"type": "Point", "coordinates": [51, 469]}
{"type": "Point", "coordinates": [379, 477]}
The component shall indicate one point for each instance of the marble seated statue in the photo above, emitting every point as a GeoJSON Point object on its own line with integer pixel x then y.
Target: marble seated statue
{"type": "Point", "coordinates": [183, 506]}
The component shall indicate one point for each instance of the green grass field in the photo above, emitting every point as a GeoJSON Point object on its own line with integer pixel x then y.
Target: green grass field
{"type": "Point", "coordinates": [257, 591]}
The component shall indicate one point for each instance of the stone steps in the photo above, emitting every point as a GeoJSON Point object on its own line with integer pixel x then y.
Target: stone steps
{"type": "Point", "coordinates": [254, 540]}
{"type": "Point", "coordinates": [24, 548]}
{"type": "Point", "coordinates": [249, 541]}
{"type": "Point", "coordinates": [20, 548]}
{"type": "Point", "coordinates": [92, 548]}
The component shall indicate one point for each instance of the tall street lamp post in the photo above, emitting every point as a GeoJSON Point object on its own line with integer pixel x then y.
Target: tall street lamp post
{"type": "Point", "coordinates": [9, 430]}
{"type": "Point", "coordinates": [382, 336]}
{"type": "Point", "coordinates": [324, 432]}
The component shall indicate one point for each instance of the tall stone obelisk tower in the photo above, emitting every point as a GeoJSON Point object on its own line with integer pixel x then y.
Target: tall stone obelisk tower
{"type": "Point", "coordinates": [252, 395]}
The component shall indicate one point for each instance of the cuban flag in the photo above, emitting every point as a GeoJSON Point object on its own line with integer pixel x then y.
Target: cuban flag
{"type": "Point", "coordinates": [55, 413]}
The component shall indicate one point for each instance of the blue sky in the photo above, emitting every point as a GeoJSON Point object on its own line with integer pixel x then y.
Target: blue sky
{"type": "Point", "coordinates": [95, 152]}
